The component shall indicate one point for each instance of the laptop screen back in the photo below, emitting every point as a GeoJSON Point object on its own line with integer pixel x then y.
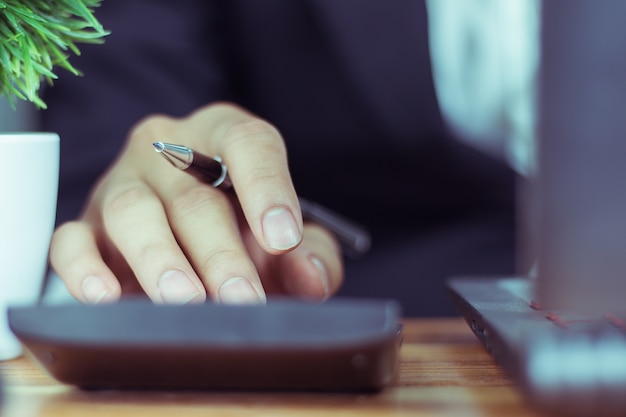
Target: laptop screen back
{"type": "Point", "coordinates": [582, 156]}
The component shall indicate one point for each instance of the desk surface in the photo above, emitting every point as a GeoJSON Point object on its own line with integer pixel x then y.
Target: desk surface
{"type": "Point", "coordinates": [443, 371]}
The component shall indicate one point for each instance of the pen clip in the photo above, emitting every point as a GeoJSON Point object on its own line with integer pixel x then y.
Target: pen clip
{"type": "Point", "coordinates": [218, 182]}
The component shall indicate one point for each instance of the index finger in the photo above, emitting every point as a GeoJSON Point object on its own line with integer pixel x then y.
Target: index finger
{"type": "Point", "coordinates": [256, 157]}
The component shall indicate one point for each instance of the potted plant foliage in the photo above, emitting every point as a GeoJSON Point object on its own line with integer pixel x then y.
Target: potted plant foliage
{"type": "Point", "coordinates": [38, 35]}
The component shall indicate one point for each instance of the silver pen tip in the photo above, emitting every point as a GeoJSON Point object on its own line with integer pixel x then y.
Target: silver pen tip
{"type": "Point", "coordinates": [158, 146]}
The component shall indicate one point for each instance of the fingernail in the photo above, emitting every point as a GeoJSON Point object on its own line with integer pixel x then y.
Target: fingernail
{"type": "Point", "coordinates": [280, 229]}
{"type": "Point", "coordinates": [176, 288]}
{"type": "Point", "coordinates": [239, 291]}
{"type": "Point", "coordinates": [94, 289]}
{"type": "Point", "coordinates": [321, 269]}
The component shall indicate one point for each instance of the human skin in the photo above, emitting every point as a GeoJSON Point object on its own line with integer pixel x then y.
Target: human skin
{"type": "Point", "coordinates": [149, 228]}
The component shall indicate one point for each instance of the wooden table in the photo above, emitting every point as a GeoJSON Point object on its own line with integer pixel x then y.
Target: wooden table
{"type": "Point", "coordinates": [443, 371]}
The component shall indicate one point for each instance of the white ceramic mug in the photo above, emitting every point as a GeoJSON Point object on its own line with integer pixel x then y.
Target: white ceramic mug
{"type": "Point", "coordinates": [29, 177]}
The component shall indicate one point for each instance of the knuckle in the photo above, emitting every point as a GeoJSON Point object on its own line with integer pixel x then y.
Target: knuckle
{"type": "Point", "coordinates": [262, 174]}
{"type": "Point", "coordinates": [69, 249]}
{"type": "Point", "coordinates": [145, 255]}
{"type": "Point", "coordinates": [120, 201]}
{"type": "Point", "coordinates": [151, 127]}
{"type": "Point", "coordinates": [220, 259]}
{"type": "Point", "coordinates": [194, 200]}
{"type": "Point", "coordinates": [241, 133]}
{"type": "Point", "coordinates": [219, 106]}
{"type": "Point", "coordinates": [67, 232]}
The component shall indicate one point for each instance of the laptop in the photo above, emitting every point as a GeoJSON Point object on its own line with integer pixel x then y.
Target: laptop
{"type": "Point", "coordinates": [562, 334]}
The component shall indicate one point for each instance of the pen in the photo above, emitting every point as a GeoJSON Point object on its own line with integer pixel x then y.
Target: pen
{"type": "Point", "coordinates": [354, 239]}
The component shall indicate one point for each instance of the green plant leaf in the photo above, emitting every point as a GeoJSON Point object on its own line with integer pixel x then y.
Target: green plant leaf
{"type": "Point", "coordinates": [38, 35]}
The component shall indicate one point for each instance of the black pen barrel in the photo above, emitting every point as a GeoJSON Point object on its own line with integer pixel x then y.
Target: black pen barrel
{"type": "Point", "coordinates": [209, 170]}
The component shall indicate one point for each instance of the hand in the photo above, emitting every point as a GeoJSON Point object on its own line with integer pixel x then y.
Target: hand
{"type": "Point", "coordinates": [149, 227]}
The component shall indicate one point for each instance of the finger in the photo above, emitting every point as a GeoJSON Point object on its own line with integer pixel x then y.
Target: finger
{"type": "Point", "coordinates": [200, 216]}
{"type": "Point", "coordinates": [206, 227]}
{"type": "Point", "coordinates": [256, 158]}
{"type": "Point", "coordinates": [314, 269]}
{"type": "Point", "coordinates": [136, 223]}
{"type": "Point", "coordinates": [75, 257]}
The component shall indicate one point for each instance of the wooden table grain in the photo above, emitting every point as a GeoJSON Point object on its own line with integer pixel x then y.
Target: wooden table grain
{"type": "Point", "coordinates": [443, 371]}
